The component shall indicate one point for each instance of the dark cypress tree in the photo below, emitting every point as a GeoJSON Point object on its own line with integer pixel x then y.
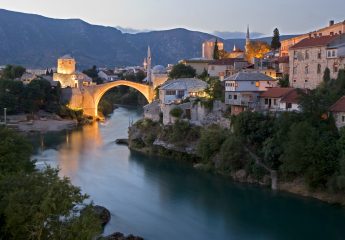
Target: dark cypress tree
{"type": "Point", "coordinates": [327, 75]}
{"type": "Point", "coordinates": [216, 50]}
{"type": "Point", "coordinates": [275, 44]}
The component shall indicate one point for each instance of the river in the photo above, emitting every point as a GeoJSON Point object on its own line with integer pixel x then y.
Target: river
{"type": "Point", "coordinates": [162, 199]}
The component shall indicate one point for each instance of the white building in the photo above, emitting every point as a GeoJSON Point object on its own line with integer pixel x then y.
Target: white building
{"type": "Point", "coordinates": [179, 89]}
{"type": "Point", "coordinates": [242, 90]}
{"type": "Point", "coordinates": [108, 75]}
{"type": "Point", "coordinates": [278, 99]}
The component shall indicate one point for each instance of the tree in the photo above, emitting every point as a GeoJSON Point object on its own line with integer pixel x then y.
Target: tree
{"type": "Point", "coordinates": [257, 49]}
{"type": "Point", "coordinates": [13, 72]}
{"type": "Point", "coordinates": [182, 71]}
{"type": "Point", "coordinates": [275, 43]}
{"type": "Point", "coordinates": [93, 73]}
{"type": "Point", "coordinates": [216, 50]}
{"type": "Point", "coordinates": [327, 75]}
{"type": "Point", "coordinates": [210, 142]}
{"type": "Point", "coordinates": [284, 81]}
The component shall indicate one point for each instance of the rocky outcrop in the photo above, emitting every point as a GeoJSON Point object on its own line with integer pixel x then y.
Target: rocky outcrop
{"type": "Point", "coordinates": [121, 141]}
{"type": "Point", "coordinates": [191, 149]}
{"type": "Point", "coordinates": [121, 236]}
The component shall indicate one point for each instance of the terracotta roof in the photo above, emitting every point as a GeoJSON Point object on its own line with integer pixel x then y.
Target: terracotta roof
{"type": "Point", "coordinates": [339, 106]}
{"type": "Point", "coordinates": [276, 92]}
{"type": "Point", "coordinates": [315, 41]}
{"type": "Point", "coordinates": [226, 61]}
{"type": "Point", "coordinates": [293, 96]}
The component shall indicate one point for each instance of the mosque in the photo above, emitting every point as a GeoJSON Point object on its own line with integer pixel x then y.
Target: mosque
{"type": "Point", "coordinates": [156, 75]}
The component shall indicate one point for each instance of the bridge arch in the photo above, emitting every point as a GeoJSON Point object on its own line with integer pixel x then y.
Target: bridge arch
{"type": "Point", "coordinates": [145, 90]}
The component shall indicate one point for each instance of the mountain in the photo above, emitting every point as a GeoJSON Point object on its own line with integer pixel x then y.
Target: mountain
{"type": "Point", "coordinates": [36, 41]}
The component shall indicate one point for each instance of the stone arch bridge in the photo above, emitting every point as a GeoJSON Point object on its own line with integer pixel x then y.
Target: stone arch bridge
{"type": "Point", "coordinates": [87, 98]}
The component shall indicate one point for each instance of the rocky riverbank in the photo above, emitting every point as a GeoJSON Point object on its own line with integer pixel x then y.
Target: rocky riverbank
{"type": "Point", "coordinates": [149, 138]}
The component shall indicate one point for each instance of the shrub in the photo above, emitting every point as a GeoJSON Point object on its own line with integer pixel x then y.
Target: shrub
{"type": "Point", "coordinates": [176, 112]}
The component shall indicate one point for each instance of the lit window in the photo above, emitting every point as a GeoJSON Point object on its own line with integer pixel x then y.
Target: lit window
{"type": "Point", "coordinates": [257, 84]}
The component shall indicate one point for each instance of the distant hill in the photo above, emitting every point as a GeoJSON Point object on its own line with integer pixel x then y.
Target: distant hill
{"type": "Point", "coordinates": [36, 41]}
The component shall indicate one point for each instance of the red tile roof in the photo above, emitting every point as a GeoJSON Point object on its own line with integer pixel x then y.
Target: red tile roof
{"type": "Point", "coordinates": [226, 61]}
{"type": "Point", "coordinates": [276, 92]}
{"type": "Point", "coordinates": [291, 97]}
{"type": "Point", "coordinates": [339, 106]}
{"type": "Point", "coordinates": [315, 42]}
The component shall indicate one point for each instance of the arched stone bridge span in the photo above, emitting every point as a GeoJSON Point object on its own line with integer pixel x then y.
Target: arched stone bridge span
{"type": "Point", "coordinates": [88, 97]}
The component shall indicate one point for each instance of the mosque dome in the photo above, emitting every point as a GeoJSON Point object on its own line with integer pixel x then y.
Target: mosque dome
{"type": "Point", "coordinates": [159, 69]}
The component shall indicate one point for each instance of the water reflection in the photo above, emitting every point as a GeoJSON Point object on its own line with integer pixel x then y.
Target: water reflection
{"type": "Point", "coordinates": [165, 199]}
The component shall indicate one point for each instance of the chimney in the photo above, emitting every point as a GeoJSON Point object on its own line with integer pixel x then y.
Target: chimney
{"type": "Point", "coordinates": [331, 23]}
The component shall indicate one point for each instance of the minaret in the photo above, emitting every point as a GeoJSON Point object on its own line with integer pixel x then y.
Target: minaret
{"type": "Point", "coordinates": [149, 61]}
{"type": "Point", "coordinates": [247, 39]}
{"type": "Point", "coordinates": [234, 48]}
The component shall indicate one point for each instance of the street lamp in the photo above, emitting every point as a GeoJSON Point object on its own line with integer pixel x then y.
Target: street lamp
{"type": "Point", "coordinates": [5, 115]}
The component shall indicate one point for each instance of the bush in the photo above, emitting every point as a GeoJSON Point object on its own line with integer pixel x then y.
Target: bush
{"type": "Point", "coordinates": [210, 141]}
{"type": "Point", "coordinates": [176, 112]}
{"type": "Point", "coordinates": [232, 154]}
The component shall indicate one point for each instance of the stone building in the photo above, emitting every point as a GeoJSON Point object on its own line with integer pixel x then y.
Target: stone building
{"type": "Point", "coordinates": [331, 29]}
{"type": "Point", "coordinates": [199, 64]}
{"type": "Point", "coordinates": [279, 99]}
{"type": "Point", "coordinates": [208, 48]}
{"type": "Point", "coordinates": [226, 67]}
{"type": "Point", "coordinates": [310, 57]}
{"type": "Point", "coordinates": [68, 76]}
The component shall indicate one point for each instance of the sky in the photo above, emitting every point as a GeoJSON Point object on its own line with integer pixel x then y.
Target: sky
{"type": "Point", "coordinates": [290, 16]}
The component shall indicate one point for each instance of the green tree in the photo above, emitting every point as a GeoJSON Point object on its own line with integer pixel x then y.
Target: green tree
{"type": "Point", "coordinates": [284, 81]}
{"type": "Point", "coordinates": [311, 152]}
{"type": "Point", "coordinates": [93, 73]}
{"type": "Point", "coordinates": [233, 156]}
{"type": "Point", "coordinates": [13, 72]}
{"type": "Point", "coordinates": [327, 75]}
{"type": "Point", "coordinates": [216, 54]}
{"type": "Point", "coordinates": [182, 71]}
{"type": "Point", "coordinates": [275, 43]}
{"type": "Point", "coordinates": [210, 142]}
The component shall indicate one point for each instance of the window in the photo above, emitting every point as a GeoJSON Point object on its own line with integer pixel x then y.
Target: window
{"type": "Point", "coordinates": [180, 93]}
{"type": "Point", "coordinates": [252, 83]}
{"type": "Point", "coordinates": [306, 69]}
{"type": "Point", "coordinates": [343, 118]}
{"type": "Point", "coordinates": [275, 101]}
{"type": "Point", "coordinates": [306, 80]}
{"type": "Point", "coordinates": [294, 70]}
{"type": "Point", "coordinates": [230, 96]}
{"type": "Point", "coordinates": [235, 97]}
{"type": "Point", "coordinates": [257, 84]}
{"type": "Point", "coordinates": [306, 54]}
{"type": "Point", "coordinates": [319, 54]}
{"type": "Point", "coordinates": [288, 105]}
{"type": "Point", "coordinates": [212, 68]}
{"type": "Point", "coordinates": [319, 68]}
{"type": "Point", "coordinates": [333, 53]}
{"type": "Point", "coordinates": [329, 54]}
{"type": "Point", "coordinates": [294, 54]}
{"type": "Point", "coordinates": [266, 101]}
{"type": "Point", "coordinates": [170, 92]}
